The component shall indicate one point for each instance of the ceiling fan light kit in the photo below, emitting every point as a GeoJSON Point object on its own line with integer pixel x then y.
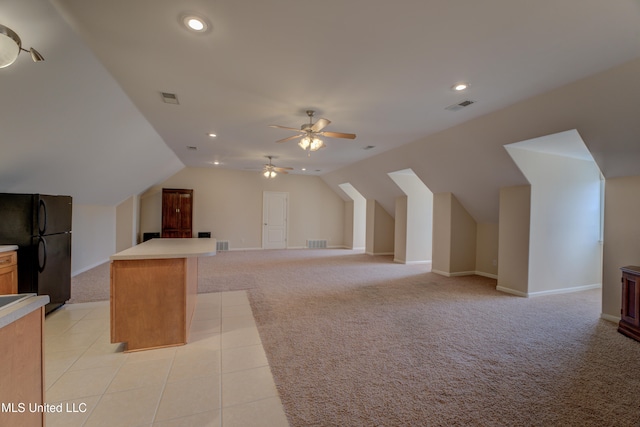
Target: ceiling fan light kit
{"type": "Point", "coordinates": [10, 47]}
{"type": "Point", "coordinates": [271, 170]}
{"type": "Point", "coordinates": [310, 133]}
{"type": "Point", "coordinates": [311, 144]}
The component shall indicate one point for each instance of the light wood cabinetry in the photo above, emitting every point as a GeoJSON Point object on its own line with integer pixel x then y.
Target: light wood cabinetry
{"type": "Point", "coordinates": [152, 301]}
{"type": "Point", "coordinates": [177, 212]}
{"type": "Point", "coordinates": [22, 371]}
{"type": "Point", "coordinates": [154, 286]}
{"type": "Point", "coordinates": [8, 272]}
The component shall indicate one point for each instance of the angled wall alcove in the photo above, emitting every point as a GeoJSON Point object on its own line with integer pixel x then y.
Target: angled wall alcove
{"type": "Point", "coordinates": [564, 248]}
{"type": "Point", "coordinates": [413, 237]}
{"type": "Point", "coordinates": [355, 221]}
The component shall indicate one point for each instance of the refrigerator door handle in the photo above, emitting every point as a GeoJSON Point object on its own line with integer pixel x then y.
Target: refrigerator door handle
{"type": "Point", "coordinates": [42, 217]}
{"type": "Point", "coordinates": [42, 260]}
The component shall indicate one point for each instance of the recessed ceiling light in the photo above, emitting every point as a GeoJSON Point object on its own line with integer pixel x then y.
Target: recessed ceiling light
{"type": "Point", "coordinates": [216, 163]}
{"type": "Point", "coordinates": [212, 135]}
{"type": "Point", "coordinates": [304, 169]}
{"type": "Point", "coordinates": [195, 23]}
{"type": "Point", "coordinates": [460, 86]}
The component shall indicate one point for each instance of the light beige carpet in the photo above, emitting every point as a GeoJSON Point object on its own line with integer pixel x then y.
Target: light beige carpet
{"type": "Point", "coordinates": [356, 340]}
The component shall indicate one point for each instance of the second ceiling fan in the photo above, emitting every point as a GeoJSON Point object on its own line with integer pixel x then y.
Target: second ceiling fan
{"type": "Point", "coordinates": [310, 133]}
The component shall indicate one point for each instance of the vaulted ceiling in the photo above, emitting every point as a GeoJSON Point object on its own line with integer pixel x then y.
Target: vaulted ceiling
{"type": "Point", "coordinates": [90, 120]}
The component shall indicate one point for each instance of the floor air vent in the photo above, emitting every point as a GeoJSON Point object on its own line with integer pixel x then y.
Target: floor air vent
{"type": "Point", "coordinates": [222, 245]}
{"type": "Point", "coordinates": [317, 244]}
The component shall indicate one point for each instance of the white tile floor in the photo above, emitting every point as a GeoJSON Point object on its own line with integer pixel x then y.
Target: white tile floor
{"type": "Point", "coordinates": [220, 378]}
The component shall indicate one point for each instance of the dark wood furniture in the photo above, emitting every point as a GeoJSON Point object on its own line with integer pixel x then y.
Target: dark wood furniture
{"type": "Point", "coordinates": [177, 212]}
{"type": "Point", "coordinates": [630, 312]}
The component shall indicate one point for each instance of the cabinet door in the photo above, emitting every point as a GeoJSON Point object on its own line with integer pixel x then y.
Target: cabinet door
{"type": "Point", "coordinates": [630, 303]}
{"type": "Point", "coordinates": [177, 207]}
{"type": "Point", "coordinates": [8, 280]}
{"type": "Point", "coordinates": [185, 213]}
{"type": "Point", "coordinates": [8, 273]}
{"type": "Point", "coordinates": [170, 211]}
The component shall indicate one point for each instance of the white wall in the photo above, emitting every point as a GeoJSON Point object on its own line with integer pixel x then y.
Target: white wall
{"type": "Point", "coordinates": [228, 203]}
{"type": "Point", "coordinates": [621, 237]}
{"type": "Point", "coordinates": [127, 223]}
{"type": "Point", "coordinates": [565, 251]}
{"type": "Point", "coordinates": [93, 238]}
{"type": "Point", "coordinates": [513, 239]}
{"type": "Point", "coordinates": [418, 235]}
{"type": "Point", "coordinates": [357, 228]}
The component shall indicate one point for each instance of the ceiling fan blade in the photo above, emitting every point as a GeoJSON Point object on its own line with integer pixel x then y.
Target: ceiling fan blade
{"type": "Point", "coordinates": [284, 127]}
{"type": "Point", "coordinates": [339, 135]}
{"type": "Point", "coordinates": [282, 170]}
{"type": "Point", "coordinates": [290, 138]}
{"type": "Point", "coordinates": [320, 124]}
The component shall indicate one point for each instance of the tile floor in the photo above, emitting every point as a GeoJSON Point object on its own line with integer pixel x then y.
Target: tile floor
{"type": "Point", "coordinates": [220, 378]}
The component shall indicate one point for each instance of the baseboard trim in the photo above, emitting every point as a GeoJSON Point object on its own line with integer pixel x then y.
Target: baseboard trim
{"type": "Point", "coordinates": [379, 253]}
{"type": "Point", "coordinates": [511, 291]}
{"type": "Point", "coordinates": [401, 261]}
{"type": "Point", "coordinates": [566, 290]}
{"type": "Point", "coordinates": [454, 274]}
{"type": "Point", "coordinates": [290, 247]}
{"type": "Point", "coordinates": [551, 292]}
{"type": "Point", "coordinates": [610, 318]}
{"type": "Point", "coordinates": [489, 275]}
{"type": "Point", "coordinates": [82, 270]}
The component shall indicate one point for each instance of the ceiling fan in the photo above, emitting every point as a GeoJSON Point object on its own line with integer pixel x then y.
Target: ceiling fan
{"type": "Point", "coordinates": [310, 133]}
{"type": "Point", "coordinates": [270, 170]}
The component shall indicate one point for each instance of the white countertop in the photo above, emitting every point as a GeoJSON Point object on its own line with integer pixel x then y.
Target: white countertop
{"type": "Point", "coordinates": [20, 308]}
{"type": "Point", "coordinates": [8, 248]}
{"type": "Point", "coordinates": [168, 248]}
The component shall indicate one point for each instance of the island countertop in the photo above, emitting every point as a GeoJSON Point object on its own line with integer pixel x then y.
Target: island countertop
{"type": "Point", "coordinates": [166, 248]}
{"type": "Point", "coordinates": [16, 306]}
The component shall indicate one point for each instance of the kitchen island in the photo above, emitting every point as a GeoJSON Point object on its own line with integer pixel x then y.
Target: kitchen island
{"type": "Point", "coordinates": [21, 359]}
{"type": "Point", "coordinates": [153, 292]}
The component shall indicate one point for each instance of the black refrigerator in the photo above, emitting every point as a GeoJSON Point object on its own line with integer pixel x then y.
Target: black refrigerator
{"type": "Point", "coordinates": [41, 227]}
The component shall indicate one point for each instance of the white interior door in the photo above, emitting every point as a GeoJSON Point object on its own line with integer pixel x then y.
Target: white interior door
{"type": "Point", "coordinates": [274, 220]}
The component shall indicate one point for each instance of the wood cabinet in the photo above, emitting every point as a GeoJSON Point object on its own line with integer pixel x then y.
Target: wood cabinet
{"type": "Point", "coordinates": [8, 272]}
{"type": "Point", "coordinates": [177, 212]}
{"type": "Point", "coordinates": [630, 311]}
{"type": "Point", "coordinates": [22, 371]}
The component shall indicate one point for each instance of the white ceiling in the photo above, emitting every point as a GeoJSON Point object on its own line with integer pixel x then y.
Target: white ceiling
{"type": "Point", "coordinates": [380, 69]}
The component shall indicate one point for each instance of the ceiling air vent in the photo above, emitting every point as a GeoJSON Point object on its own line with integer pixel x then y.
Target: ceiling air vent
{"type": "Point", "coordinates": [369, 147]}
{"type": "Point", "coordinates": [459, 106]}
{"type": "Point", "coordinates": [169, 98]}
{"type": "Point", "coordinates": [191, 147]}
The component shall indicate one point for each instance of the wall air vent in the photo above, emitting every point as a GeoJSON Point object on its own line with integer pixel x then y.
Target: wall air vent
{"type": "Point", "coordinates": [459, 106]}
{"type": "Point", "coordinates": [317, 244]}
{"type": "Point", "coordinates": [222, 245]}
{"type": "Point", "coordinates": [169, 98]}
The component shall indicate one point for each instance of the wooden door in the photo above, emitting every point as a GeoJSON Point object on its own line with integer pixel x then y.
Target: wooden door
{"type": "Point", "coordinates": [177, 212]}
